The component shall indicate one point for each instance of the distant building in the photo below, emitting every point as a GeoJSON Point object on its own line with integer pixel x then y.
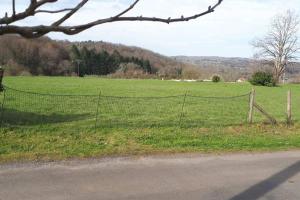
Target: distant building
{"type": "Point", "coordinates": [241, 80]}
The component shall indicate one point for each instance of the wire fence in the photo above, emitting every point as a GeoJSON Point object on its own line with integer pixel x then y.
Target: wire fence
{"type": "Point", "coordinates": [21, 108]}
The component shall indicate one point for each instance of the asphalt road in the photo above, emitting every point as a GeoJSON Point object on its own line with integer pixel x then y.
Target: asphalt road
{"type": "Point", "coordinates": [233, 177]}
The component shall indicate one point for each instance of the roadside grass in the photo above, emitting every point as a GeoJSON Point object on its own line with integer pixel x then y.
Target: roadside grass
{"type": "Point", "coordinates": [61, 138]}
{"type": "Point", "coordinates": [46, 144]}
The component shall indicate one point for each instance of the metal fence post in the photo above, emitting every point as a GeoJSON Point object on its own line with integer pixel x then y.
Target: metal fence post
{"type": "Point", "coordinates": [251, 106]}
{"type": "Point", "coordinates": [289, 107]}
{"type": "Point", "coordinates": [182, 109]}
{"type": "Point", "coordinates": [97, 112]}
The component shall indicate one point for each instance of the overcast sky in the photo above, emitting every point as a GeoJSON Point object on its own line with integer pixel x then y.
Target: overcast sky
{"type": "Point", "coordinates": [226, 32]}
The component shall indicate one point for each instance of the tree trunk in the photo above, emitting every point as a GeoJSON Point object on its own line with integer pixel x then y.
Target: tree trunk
{"type": "Point", "coordinates": [276, 78]}
{"type": "Point", "coordinates": [278, 71]}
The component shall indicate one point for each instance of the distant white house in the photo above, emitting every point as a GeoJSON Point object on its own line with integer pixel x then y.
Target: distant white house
{"type": "Point", "coordinates": [192, 80]}
{"type": "Point", "coordinates": [241, 80]}
{"type": "Point", "coordinates": [184, 80]}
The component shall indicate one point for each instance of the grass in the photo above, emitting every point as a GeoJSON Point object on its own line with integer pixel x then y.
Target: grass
{"type": "Point", "coordinates": [35, 128]}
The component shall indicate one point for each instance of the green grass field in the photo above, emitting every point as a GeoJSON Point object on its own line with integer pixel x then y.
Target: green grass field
{"type": "Point", "coordinates": [41, 127]}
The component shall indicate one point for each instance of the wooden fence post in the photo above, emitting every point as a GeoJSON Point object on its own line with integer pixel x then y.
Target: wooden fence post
{"type": "Point", "coordinates": [289, 107]}
{"type": "Point", "coordinates": [251, 106]}
{"type": "Point", "coordinates": [1, 78]}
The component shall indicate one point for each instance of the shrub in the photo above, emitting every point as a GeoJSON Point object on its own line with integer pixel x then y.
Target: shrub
{"type": "Point", "coordinates": [263, 79]}
{"type": "Point", "coordinates": [216, 79]}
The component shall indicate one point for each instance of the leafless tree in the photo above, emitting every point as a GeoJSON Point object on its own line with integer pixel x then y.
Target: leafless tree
{"type": "Point", "coordinates": [280, 45]}
{"type": "Point", "coordinates": [7, 22]}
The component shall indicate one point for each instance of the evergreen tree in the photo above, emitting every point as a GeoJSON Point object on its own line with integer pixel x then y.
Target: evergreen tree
{"type": "Point", "coordinates": [75, 53]}
{"type": "Point", "coordinates": [103, 63]}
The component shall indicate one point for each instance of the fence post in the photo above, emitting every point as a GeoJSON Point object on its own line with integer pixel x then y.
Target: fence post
{"type": "Point", "coordinates": [182, 109]}
{"type": "Point", "coordinates": [289, 107]}
{"type": "Point", "coordinates": [251, 106]}
{"type": "Point", "coordinates": [97, 111]}
{"type": "Point", "coordinates": [1, 78]}
{"type": "Point", "coordinates": [2, 108]}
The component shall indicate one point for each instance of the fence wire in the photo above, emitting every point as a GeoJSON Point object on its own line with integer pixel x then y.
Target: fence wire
{"type": "Point", "coordinates": [20, 108]}
{"type": "Point", "coordinates": [26, 108]}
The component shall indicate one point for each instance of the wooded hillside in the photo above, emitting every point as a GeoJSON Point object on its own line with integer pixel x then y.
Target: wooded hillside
{"type": "Point", "coordinates": [233, 68]}
{"type": "Point", "coordinates": [44, 56]}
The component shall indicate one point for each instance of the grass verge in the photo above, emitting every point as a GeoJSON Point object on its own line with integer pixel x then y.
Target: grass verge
{"type": "Point", "coordinates": [44, 144]}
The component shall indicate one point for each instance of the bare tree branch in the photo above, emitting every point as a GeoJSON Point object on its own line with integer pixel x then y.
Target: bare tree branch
{"type": "Point", "coordinates": [6, 26]}
{"type": "Point", "coordinates": [68, 15]}
{"type": "Point", "coordinates": [14, 7]}
{"type": "Point", "coordinates": [53, 11]}
{"type": "Point", "coordinates": [127, 10]}
{"type": "Point", "coordinates": [30, 11]}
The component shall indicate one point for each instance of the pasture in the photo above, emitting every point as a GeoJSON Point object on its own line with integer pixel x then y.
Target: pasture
{"type": "Point", "coordinates": [132, 117]}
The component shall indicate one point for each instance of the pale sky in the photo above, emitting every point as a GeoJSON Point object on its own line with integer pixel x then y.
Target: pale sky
{"type": "Point", "coordinates": [226, 32]}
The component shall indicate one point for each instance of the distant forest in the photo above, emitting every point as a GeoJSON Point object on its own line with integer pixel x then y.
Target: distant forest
{"type": "Point", "coordinates": [48, 57]}
{"type": "Point", "coordinates": [45, 56]}
{"type": "Point", "coordinates": [51, 58]}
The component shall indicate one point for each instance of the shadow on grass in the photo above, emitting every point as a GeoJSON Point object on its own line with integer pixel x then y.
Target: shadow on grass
{"type": "Point", "coordinates": [16, 117]}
